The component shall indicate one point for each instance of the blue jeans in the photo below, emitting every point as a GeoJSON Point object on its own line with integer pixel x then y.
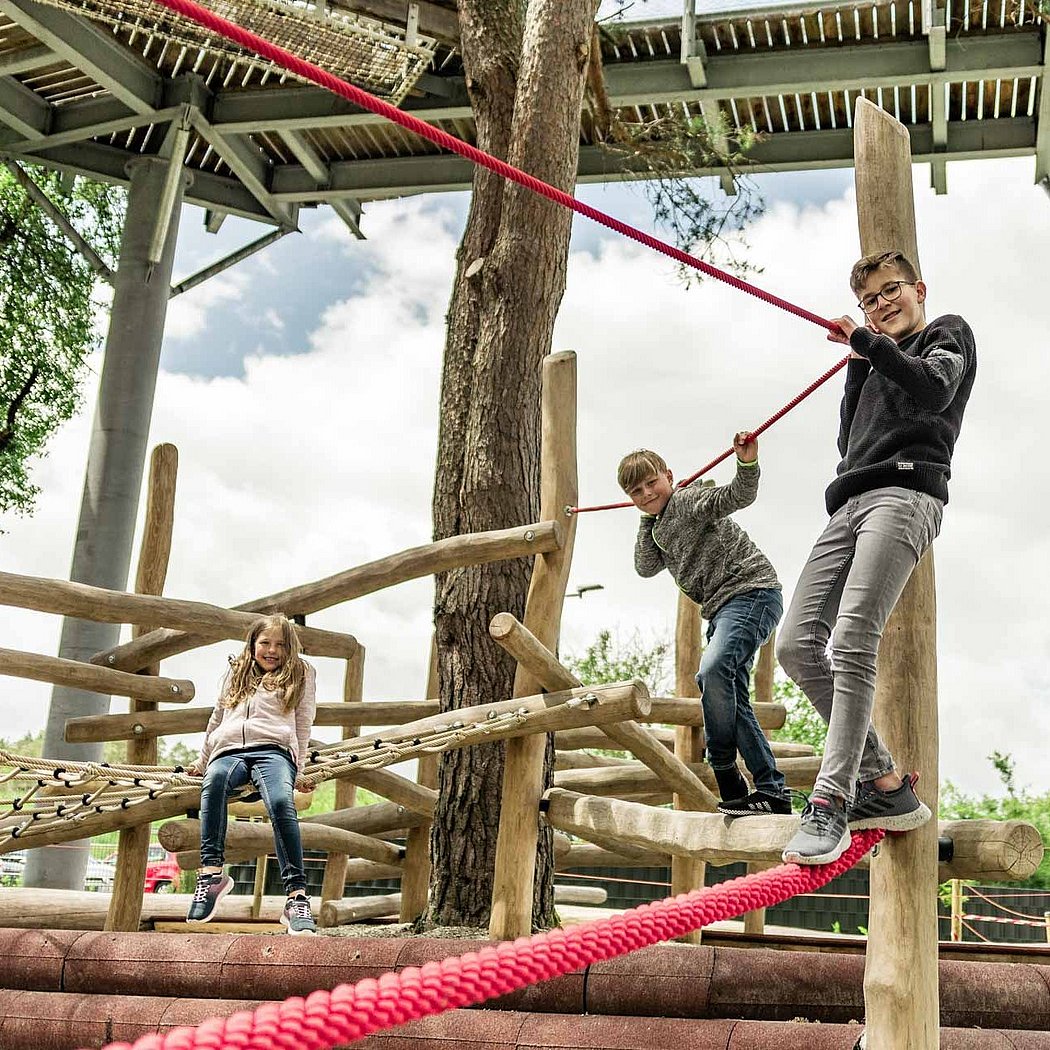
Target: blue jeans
{"type": "Point", "coordinates": [736, 632]}
{"type": "Point", "coordinates": [272, 771]}
{"type": "Point", "coordinates": [848, 588]}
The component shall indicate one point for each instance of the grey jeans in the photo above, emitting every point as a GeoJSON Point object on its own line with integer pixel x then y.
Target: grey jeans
{"type": "Point", "coordinates": [848, 588]}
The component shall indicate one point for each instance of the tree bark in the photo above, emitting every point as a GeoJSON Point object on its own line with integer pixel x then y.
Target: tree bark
{"type": "Point", "coordinates": [524, 68]}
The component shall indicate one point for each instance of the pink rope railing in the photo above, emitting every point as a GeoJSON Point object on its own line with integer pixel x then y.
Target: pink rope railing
{"type": "Point", "coordinates": [348, 1012]}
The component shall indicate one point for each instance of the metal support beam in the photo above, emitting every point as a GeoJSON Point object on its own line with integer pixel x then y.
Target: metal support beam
{"type": "Point", "coordinates": [113, 479]}
{"type": "Point", "coordinates": [694, 54]}
{"type": "Point", "coordinates": [26, 60]}
{"type": "Point", "coordinates": [59, 218]}
{"type": "Point", "coordinates": [173, 151]}
{"type": "Point", "coordinates": [248, 163]}
{"type": "Point", "coordinates": [227, 261]}
{"type": "Point", "coordinates": [22, 110]}
{"type": "Point", "coordinates": [347, 209]}
{"type": "Point", "coordinates": [937, 40]}
{"type": "Point", "coordinates": [1042, 142]}
{"type": "Point", "coordinates": [90, 49]}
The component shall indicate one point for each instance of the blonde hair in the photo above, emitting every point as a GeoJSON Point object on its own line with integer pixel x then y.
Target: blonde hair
{"type": "Point", "coordinates": [864, 268]}
{"type": "Point", "coordinates": [246, 675]}
{"type": "Point", "coordinates": [638, 465]}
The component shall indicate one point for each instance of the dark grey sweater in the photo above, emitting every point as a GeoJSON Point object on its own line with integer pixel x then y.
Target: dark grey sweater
{"type": "Point", "coordinates": [902, 410]}
{"type": "Point", "coordinates": [710, 557]}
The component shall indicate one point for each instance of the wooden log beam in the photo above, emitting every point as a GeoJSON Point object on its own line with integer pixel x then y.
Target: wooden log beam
{"type": "Point", "coordinates": [79, 675]}
{"type": "Point", "coordinates": [635, 778]}
{"type": "Point", "coordinates": [523, 771]}
{"type": "Point", "coordinates": [354, 909]}
{"type": "Point", "coordinates": [585, 760]}
{"type": "Point", "coordinates": [996, 850]}
{"type": "Point", "coordinates": [591, 855]}
{"type": "Point", "coordinates": [95, 728]}
{"type": "Point", "coordinates": [180, 835]}
{"type": "Point", "coordinates": [378, 818]}
{"type": "Point", "coordinates": [536, 659]}
{"type": "Point", "coordinates": [901, 1005]}
{"type": "Point", "coordinates": [210, 622]}
{"type": "Point", "coordinates": [476, 548]}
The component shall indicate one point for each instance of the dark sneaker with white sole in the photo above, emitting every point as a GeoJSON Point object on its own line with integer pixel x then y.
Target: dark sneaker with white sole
{"type": "Point", "coordinates": [296, 915]}
{"type": "Point", "coordinates": [211, 888]}
{"type": "Point", "coordinates": [823, 835]}
{"type": "Point", "coordinates": [896, 810]}
{"type": "Point", "coordinates": [756, 804]}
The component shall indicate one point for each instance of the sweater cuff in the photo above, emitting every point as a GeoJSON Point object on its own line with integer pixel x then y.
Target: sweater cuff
{"type": "Point", "coordinates": [747, 465]}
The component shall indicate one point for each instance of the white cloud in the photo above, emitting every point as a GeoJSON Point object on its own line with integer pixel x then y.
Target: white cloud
{"type": "Point", "coordinates": [312, 463]}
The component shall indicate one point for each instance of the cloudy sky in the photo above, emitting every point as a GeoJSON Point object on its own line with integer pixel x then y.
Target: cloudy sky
{"type": "Point", "coordinates": [302, 389]}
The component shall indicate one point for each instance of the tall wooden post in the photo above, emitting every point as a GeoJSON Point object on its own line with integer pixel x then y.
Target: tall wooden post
{"type": "Point", "coordinates": [345, 792]}
{"type": "Point", "coordinates": [900, 978]}
{"type": "Point", "coordinates": [125, 903]}
{"type": "Point", "coordinates": [515, 873]}
{"type": "Point", "coordinates": [687, 874]}
{"type": "Point", "coordinates": [415, 872]}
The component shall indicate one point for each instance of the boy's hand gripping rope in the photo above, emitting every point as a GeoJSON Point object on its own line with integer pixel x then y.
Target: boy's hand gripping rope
{"type": "Point", "coordinates": [350, 1012]}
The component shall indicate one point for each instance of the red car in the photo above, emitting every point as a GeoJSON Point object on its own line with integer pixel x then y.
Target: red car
{"type": "Point", "coordinates": [162, 870]}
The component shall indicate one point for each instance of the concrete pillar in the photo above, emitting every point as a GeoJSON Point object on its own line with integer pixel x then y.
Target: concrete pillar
{"type": "Point", "coordinates": [113, 479]}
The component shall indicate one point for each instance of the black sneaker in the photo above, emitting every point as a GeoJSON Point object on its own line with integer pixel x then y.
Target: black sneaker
{"type": "Point", "coordinates": [757, 804]}
{"type": "Point", "coordinates": [896, 810]}
{"type": "Point", "coordinates": [296, 915]}
{"type": "Point", "coordinates": [823, 834]}
{"type": "Point", "coordinates": [731, 783]}
{"type": "Point", "coordinates": [210, 890]}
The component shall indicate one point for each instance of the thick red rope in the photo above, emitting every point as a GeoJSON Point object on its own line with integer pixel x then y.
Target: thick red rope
{"type": "Point", "coordinates": [308, 71]}
{"type": "Point", "coordinates": [350, 1012]}
{"type": "Point", "coordinates": [729, 451]}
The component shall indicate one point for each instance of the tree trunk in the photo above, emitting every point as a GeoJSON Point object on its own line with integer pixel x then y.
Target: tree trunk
{"type": "Point", "coordinates": [524, 72]}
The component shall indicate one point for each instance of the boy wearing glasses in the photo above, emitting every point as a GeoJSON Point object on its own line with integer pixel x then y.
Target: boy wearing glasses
{"type": "Point", "coordinates": [907, 384]}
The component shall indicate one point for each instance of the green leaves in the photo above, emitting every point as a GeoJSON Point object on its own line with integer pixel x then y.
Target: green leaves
{"type": "Point", "coordinates": [47, 317]}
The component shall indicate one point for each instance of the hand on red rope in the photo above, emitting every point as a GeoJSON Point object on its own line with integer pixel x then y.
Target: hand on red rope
{"type": "Point", "coordinates": [350, 1012]}
{"type": "Point", "coordinates": [756, 433]}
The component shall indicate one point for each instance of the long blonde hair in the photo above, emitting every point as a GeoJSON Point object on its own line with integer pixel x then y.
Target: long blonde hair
{"type": "Point", "coordinates": [246, 675]}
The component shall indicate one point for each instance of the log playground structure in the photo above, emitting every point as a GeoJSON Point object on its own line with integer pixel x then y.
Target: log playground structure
{"type": "Point", "coordinates": [79, 972]}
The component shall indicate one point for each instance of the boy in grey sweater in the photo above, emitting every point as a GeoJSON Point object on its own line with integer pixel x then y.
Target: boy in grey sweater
{"type": "Point", "coordinates": [688, 532]}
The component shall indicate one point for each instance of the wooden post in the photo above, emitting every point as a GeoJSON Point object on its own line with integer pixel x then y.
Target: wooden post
{"type": "Point", "coordinates": [261, 864]}
{"type": "Point", "coordinates": [415, 878]}
{"type": "Point", "coordinates": [957, 903]}
{"type": "Point", "coordinates": [515, 868]}
{"type": "Point", "coordinates": [901, 1001]}
{"type": "Point", "coordinates": [755, 921]}
{"type": "Point", "coordinates": [125, 902]}
{"type": "Point", "coordinates": [345, 791]}
{"type": "Point", "coordinates": [687, 874]}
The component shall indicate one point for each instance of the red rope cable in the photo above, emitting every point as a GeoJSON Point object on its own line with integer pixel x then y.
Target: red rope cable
{"type": "Point", "coordinates": [350, 1012]}
{"type": "Point", "coordinates": [798, 399]}
{"type": "Point", "coordinates": [308, 71]}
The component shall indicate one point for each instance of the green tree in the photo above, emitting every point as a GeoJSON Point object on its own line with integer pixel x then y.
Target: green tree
{"type": "Point", "coordinates": [608, 659]}
{"type": "Point", "coordinates": [803, 725]}
{"type": "Point", "coordinates": [47, 316]}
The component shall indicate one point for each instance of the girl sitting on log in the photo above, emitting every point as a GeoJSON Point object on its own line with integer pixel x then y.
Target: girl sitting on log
{"type": "Point", "coordinates": [258, 733]}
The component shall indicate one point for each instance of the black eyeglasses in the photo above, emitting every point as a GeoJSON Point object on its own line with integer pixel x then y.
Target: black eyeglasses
{"type": "Point", "coordinates": [890, 292]}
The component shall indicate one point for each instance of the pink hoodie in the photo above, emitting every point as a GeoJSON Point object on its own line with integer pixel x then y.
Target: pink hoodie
{"type": "Point", "coordinates": [261, 719]}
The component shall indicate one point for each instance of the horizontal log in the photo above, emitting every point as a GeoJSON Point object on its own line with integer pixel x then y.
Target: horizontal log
{"type": "Point", "coordinates": [679, 711]}
{"type": "Point", "coordinates": [354, 909]}
{"type": "Point", "coordinates": [579, 739]}
{"type": "Point", "coordinates": [144, 724]}
{"type": "Point", "coordinates": [181, 835]}
{"type": "Point", "coordinates": [477, 548]}
{"type": "Point", "coordinates": [998, 851]}
{"type": "Point", "coordinates": [78, 675]}
{"type": "Point", "coordinates": [585, 760]}
{"type": "Point", "coordinates": [591, 855]}
{"type": "Point", "coordinates": [210, 622]}
{"type": "Point", "coordinates": [579, 894]}
{"type": "Point", "coordinates": [635, 778]}
{"type": "Point", "coordinates": [378, 818]}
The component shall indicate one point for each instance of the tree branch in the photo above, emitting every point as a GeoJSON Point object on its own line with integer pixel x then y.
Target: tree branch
{"type": "Point", "coordinates": [7, 434]}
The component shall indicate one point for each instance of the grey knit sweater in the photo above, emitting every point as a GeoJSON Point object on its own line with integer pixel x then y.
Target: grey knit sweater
{"type": "Point", "coordinates": [710, 557]}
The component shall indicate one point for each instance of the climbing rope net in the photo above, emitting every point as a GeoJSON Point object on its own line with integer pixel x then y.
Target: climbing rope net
{"type": "Point", "coordinates": [368, 52]}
